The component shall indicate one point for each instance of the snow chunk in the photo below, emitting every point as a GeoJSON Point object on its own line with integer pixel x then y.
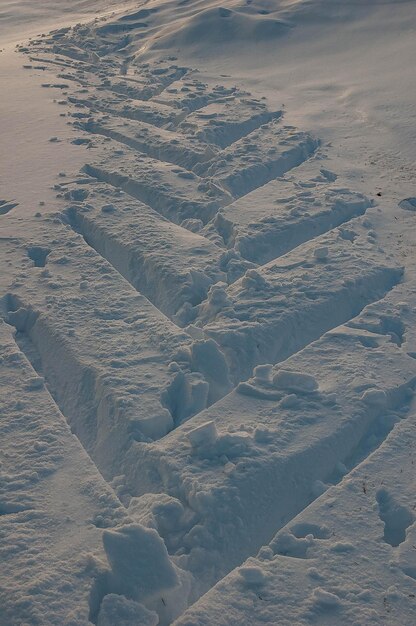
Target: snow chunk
{"type": "Point", "coordinates": [323, 598]}
{"type": "Point", "coordinates": [207, 359]}
{"type": "Point", "coordinates": [118, 610]}
{"type": "Point", "coordinates": [204, 435]}
{"type": "Point", "coordinates": [217, 294]}
{"type": "Point", "coordinates": [295, 381]}
{"type": "Point", "coordinates": [287, 544]}
{"type": "Point", "coordinates": [263, 374]}
{"type": "Point", "coordinates": [140, 565]}
{"type": "Point", "coordinates": [374, 397]}
{"type": "Point", "coordinates": [208, 443]}
{"type": "Point", "coordinates": [160, 511]}
{"type": "Point", "coordinates": [252, 575]}
{"type": "Point", "coordinates": [321, 253]}
{"type": "Point", "coordinates": [253, 280]}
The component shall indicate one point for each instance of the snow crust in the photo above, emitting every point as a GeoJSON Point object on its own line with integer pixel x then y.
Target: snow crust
{"type": "Point", "coordinates": [207, 313]}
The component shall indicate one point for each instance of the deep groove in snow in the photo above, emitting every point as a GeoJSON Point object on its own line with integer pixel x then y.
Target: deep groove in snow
{"type": "Point", "coordinates": [179, 198]}
{"type": "Point", "coordinates": [275, 464]}
{"type": "Point", "coordinates": [103, 386]}
{"type": "Point", "coordinates": [156, 143]}
{"type": "Point", "coordinates": [223, 332]}
{"type": "Point", "coordinates": [130, 236]}
{"type": "Point", "coordinates": [277, 309]}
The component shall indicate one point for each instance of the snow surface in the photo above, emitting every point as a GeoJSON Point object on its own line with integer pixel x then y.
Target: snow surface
{"type": "Point", "coordinates": [208, 312]}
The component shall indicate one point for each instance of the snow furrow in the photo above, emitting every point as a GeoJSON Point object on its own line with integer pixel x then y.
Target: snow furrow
{"type": "Point", "coordinates": [56, 502]}
{"type": "Point", "coordinates": [140, 110]}
{"type": "Point", "coordinates": [275, 218]}
{"type": "Point", "coordinates": [97, 352]}
{"type": "Point", "coordinates": [160, 144]}
{"type": "Point", "coordinates": [130, 235]}
{"type": "Point", "coordinates": [224, 123]}
{"type": "Point", "coordinates": [192, 94]}
{"type": "Point", "coordinates": [51, 61]}
{"type": "Point", "coordinates": [334, 558]}
{"type": "Point", "coordinates": [278, 308]}
{"type": "Point", "coordinates": [250, 463]}
{"type": "Point", "coordinates": [149, 87]}
{"type": "Point", "coordinates": [259, 157]}
{"type": "Point", "coordinates": [149, 80]}
{"type": "Point", "coordinates": [172, 191]}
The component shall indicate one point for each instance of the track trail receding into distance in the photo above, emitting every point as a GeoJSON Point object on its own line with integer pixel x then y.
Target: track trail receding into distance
{"type": "Point", "coordinates": [210, 311]}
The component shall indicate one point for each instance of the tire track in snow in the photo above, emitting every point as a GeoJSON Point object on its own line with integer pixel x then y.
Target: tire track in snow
{"type": "Point", "coordinates": [264, 449]}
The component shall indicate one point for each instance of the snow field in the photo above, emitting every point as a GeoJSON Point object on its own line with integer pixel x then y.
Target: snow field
{"type": "Point", "coordinates": [225, 334]}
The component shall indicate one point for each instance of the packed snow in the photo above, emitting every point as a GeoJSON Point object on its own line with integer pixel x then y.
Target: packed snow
{"type": "Point", "coordinates": [207, 313]}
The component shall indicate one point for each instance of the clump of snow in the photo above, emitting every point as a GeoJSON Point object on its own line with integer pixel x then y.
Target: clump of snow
{"type": "Point", "coordinates": [140, 564]}
{"type": "Point", "coordinates": [322, 598]}
{"type": "Point", "coordinates": [253, 280]}
{"type": "Point", "coordinates": [141, 570]}
{"type": "Point", "coordinates": [295, 381]}
{"type": "Point", "coordinates": [116, 609]}
{"type": "Point", "coordinates": [263, 374]}
{"type": "Point", "coordinates": [217, 300]}
{"type": "Point", "coordinates": [321, 253]}
{"type": "Point", "coordinates": [287, 544]}
{"type": "Point", "coordinates": [252, 575]}
{"type": "Point", "coordinates": [204, 435]}
{"type": "Point", "coordinates": [374, 397]}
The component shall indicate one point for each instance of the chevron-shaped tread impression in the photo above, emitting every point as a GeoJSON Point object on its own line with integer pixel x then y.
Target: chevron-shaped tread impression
{"type": "Point", "coordinates": [207, 346]}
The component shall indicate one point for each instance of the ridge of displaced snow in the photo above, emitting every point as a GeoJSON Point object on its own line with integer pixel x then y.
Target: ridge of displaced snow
{"type": "Point", "coordinates": [266, 450]}
{"type": "Point", "coordinates": [54, 506]}
{"type": "Point", "coordinates": [348, 556]}
{"type": "Point", "coordinates": [96, 353]}
{"type": "Point", "coordinates": [222, 305]}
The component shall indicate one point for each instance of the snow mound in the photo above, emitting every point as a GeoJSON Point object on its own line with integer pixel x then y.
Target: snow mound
{"type": "Point", "coordinates": [118, 610]}
{"type": "Point", "coordinates": [140, 564]}
{"type": "Point", "coordinates": [220, 25]}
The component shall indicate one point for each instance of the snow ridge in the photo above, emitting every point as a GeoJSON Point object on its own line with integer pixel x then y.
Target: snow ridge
{"type": "Point", "coordinates": [209, 355]}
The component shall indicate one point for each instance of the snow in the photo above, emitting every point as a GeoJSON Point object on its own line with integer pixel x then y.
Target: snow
{"type": "Point", "coordinates": [207, 312]}
{"type": "Point", "coordinates": [295, 381]}
{"type": "Point", "coordinates": [190, 265]}
{"type": "Point", "coordinates": [93, 377]}
{"type": "Point", "coordinates": [117, 609]}
{"type": "Point", "coordinates": [288, 447]}
{"type": "Point", "coordinates": [54, 503]}
{"type": "Point", "coordinates": [139, 562]}
{"type": "Point", "coordinates": [336, 562]}
{"type": "Point", "coordinates": [176, 193]}
{"type": "Point", "coordinates": [278, 308]}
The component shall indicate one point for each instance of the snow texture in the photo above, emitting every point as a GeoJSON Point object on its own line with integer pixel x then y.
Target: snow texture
{"type": "Point", "coordinates": [207, 313]}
